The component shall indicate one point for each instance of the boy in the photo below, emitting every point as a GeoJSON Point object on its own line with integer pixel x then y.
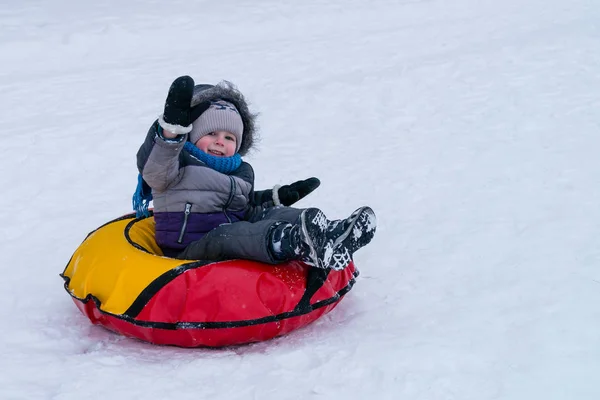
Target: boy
{"type": "Point", "coordinates": [203, 191]}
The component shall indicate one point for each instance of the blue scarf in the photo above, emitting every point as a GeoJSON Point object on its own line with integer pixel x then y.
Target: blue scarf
{"type": "Point", "coordinates": [225, 165]}
{"type": "Point", "coordinates": [143, 193]}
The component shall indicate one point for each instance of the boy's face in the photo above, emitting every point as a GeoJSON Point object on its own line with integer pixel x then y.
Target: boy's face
{"type": "Point", "coordinates": [219, 143]}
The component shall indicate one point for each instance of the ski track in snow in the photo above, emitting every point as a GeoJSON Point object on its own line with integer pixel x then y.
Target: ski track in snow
{"type": "Point", "coordinates": [471, 128]}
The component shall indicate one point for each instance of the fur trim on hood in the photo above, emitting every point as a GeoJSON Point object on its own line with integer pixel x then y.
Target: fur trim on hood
{"type": "Point", "coordinates": [227, 91]}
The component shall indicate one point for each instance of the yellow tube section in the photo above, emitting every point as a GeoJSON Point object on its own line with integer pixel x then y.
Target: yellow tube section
{"type": "Point", "coordinates": [109, 267]}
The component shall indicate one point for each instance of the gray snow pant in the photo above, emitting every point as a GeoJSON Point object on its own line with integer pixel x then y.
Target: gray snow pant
{"type": "Point", "coordinates": [249, 240]}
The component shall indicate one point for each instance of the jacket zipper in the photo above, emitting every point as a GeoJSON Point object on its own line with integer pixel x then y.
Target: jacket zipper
{"type": "Point", "coordinates": [230, 199]}
{"type": "Point", "coordinates": [188, 209]}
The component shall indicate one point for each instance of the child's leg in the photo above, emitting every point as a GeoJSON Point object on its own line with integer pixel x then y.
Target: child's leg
{"type": "Point", "coordinates": [245, 240]}
{"type": "Point", "coordinates": [279, 213]}
{"type": "Point", "coordinates": [309, 237]}
{"type": "Point", "coordinates": [250, 240]}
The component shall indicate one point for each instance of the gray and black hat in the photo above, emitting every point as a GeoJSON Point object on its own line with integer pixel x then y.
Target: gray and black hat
{"type": "Point", "coordinates": [220, 116]}
{"type": "Point", "coordinates": [226, 92]}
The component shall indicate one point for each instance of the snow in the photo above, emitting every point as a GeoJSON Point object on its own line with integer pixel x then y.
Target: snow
{"type": "Point", "coordinates": [470, 127]}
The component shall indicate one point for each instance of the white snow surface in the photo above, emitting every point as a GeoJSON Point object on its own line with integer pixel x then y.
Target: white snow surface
{"type": "Point", "coordinates": [471, 127]}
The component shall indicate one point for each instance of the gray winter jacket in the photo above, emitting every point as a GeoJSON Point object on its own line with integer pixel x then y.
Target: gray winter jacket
{"type": "Point", "coordinates": [191, 199]}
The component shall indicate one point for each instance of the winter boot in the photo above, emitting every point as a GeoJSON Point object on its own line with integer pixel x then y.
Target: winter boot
{"type": "Point", "coordinates": [317, 250]}
{"type": "Point", "coordinates": [349, 235]}
{"type": "Point", "coordinates": [305, 240]}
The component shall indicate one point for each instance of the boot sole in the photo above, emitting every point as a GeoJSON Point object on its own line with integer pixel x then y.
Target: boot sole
{"type": "Point", "coordinates": [359, 233]}
{"type": "Point", "coordinates": [362, 226]}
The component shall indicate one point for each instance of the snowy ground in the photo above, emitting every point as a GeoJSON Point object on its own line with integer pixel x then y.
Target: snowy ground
{"type": "Point", "coordinates": [471, 127]}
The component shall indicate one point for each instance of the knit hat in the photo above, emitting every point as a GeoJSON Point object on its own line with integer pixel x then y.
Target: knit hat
{"type": "Point", "coordinates": [220, 116]}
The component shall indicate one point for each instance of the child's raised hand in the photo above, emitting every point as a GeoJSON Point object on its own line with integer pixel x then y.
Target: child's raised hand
{"type": "Point", "coordinates": [289, 194]}
{"type": "Point", "coordinates": [179, 113]}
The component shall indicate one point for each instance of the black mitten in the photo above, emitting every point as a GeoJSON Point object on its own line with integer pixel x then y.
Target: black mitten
{"type": "Point", "coordinates": [179, 113]}
{"type": "Point", "coordinates": [289, 194]}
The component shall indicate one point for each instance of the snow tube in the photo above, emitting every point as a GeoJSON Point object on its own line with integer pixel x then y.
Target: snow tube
{"type": "Point", "coordinates": [119, 279]}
